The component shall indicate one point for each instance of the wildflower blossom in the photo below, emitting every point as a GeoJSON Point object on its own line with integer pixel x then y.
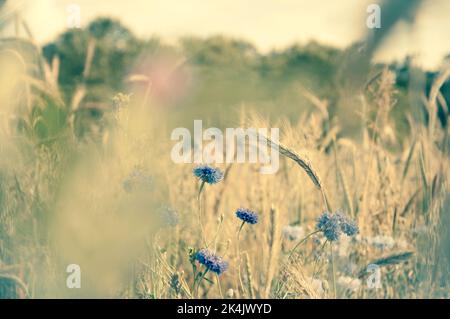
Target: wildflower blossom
{"type": "Point", "coordinates": [208, 174]}
{"type": "Point", "coordinates": [211, 261]}
{"type": "Point", "coordinates": [169, 216]}
{"type": "Point", "coordinates": [247, 216]}
{"type": "Point", "coordinates": [175, 283]}
{"type": "Point", "coordinates": [348, 226]}
{"type": "Point", "coordinates": [332, 225]}
{"type": "Point", "coordinates": [329, 224]}
{"type": "Point", "coordinates": [138, 181]}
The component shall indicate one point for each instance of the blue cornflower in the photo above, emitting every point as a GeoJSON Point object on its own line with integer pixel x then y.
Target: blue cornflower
{"type": "Point", "coordinates": [211, 261]}
{"type": "Point", "coordinates": [208, 174]}
{"type": "Point", "coordinates": [247, 215]}
{"type": "Point", "coordinates": [349, 227]}
{"type": "Point", "coordinates": [169, 216]}
{"type": "Point", "coordinates": [329, 225]}
{"type": "Point", "coordinates": [332, 225]}
{"type": "Point", "coordinates": [138, 181]}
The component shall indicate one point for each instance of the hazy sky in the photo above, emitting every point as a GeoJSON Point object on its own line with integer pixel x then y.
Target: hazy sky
{"type": "Point", "coordinates": [267, 23]}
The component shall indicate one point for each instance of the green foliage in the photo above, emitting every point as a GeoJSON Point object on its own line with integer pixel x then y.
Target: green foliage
{"type": "Point", "coordinates": [225, 73]}
{"type": "Point", "coordinates": [115, 50]}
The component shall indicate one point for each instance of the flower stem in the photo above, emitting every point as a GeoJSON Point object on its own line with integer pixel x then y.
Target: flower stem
{"type": "Point", "coordinates": [202, 185]}
{"type": "Point", "coordinates": [316, 259]}
{"type": "Point", "coordinates": [333, 271]}
{"type": "Point", "coordinates": [239, 257]}
{"type": "Point", "coordinates": [301, 242]}
{"type": "Point", "coordinates": [202, 230]}
{"type": "Point", "coordinates": [200, 281]}
{"type": "Point", "coordinates": [195, 279]}
{"type": "Point", "coordinates": [240, 228]}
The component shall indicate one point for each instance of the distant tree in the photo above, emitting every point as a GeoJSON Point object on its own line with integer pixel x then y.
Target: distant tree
{"type": "Point", "coordinates": [115, 50]}
{"type": "Point", "coordinates": [226, 72]}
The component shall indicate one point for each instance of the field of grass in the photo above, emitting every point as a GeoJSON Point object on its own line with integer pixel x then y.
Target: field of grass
{"type": "Point", "coordinates": [100, 190]}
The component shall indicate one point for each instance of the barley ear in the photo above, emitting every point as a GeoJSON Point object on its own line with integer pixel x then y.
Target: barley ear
{"type": "Point", "coordinates": [248, 272]}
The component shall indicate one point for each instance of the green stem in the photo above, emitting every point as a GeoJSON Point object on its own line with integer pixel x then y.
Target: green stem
{"type": "Point", "coordinates": [194, 271]}
{"type": "Point", "coordinates": [316, 259]}
{"type": "Point", "coordinates": [239, 257]}
{"type": "Point", "coordinates": [202, 185]}
{"type": "Point", "coordinates": [333, 271]}
{"type": "Point", "coordinates": [240, 228]}
{"type": "Point", "coordinates": [200, 281]}
{"type": "Point", "coordinates": [200, 214]}
{"type": "Point", "coordinates": [301, 242]}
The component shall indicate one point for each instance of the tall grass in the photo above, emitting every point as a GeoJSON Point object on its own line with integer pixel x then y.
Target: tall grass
{"type": "Point", "coordinates": [63, 199]}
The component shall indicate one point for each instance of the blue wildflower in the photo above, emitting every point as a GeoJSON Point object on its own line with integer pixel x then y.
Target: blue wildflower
{"type": "Point", "coordinates": [169, 216]}
{"type": "Point", "coordinates": [138, 181]}
{"type": "Point", "coordinates": [332, 225]}
{"type": "Point", "coordinates": [247, 215]}
{"type": "Point", "coordinates": [208, 174]}
{"type": "Point", "coordinates": [349, 227]}
{"type": "Point", "coordinates": [329, 225]}
{"type": "Point", "coordinates": [211, 261]}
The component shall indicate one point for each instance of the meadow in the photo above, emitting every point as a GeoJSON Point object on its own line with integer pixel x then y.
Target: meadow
{"type": "Point", "coordinates": [91, 182]}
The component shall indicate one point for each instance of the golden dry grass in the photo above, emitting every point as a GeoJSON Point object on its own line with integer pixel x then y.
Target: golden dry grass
{"type": "Point", "coordinates": [63, 201]}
